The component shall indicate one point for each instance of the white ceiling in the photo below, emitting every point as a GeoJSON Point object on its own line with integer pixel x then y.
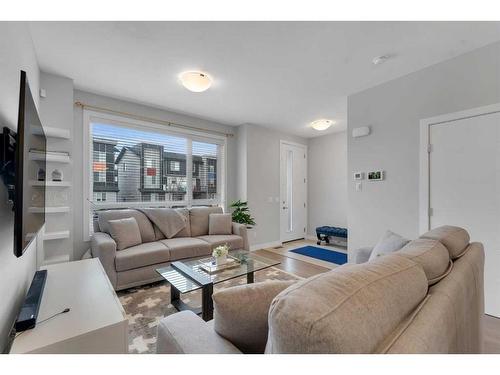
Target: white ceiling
{"type": "Point", "coordinates": [277, 74]}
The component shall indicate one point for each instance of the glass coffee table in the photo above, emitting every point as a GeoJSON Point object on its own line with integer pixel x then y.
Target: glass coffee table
{"type": "Point", "coordinates": [187, 276]}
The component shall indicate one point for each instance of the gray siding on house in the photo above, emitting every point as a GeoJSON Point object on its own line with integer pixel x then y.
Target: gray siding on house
{"type": "Point", "coordinates": [129, 177]}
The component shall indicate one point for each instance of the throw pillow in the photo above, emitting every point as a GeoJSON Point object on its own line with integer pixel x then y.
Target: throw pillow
{"type": "Point", "coordinates": [389, 243]}
{"type": "Point", "coordinates": [240, 313]}
{"type": "Point", "coordinates": [125, 232]}
{"type": "Point", "coordinates": [220, 224]}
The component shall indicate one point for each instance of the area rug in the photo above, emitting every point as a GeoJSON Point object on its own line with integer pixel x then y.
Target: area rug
{"type": "Point", "coordinates": [322, 254]}
{"type": "Point", "coordinates": [145, 306]}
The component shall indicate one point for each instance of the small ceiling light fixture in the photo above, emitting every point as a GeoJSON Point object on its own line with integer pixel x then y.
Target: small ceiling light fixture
{"type": "Point", "coordinates": [380, 59]}
{"type": "Point", "coordinates": [322, 124]}
{"type": "Point", "coordinates": [195, 81]}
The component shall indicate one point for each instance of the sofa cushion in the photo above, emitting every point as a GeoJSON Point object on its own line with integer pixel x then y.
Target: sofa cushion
{"type": "Point", "coordinates": [389, 243]}
{"type": "Point", "coordinates": [220, 224]}
{"type": "Point", "coordinates": [235, 242]}
{"type": "Point", "coordinates": [186, 247]}
{"type": "Point", "coordinates": [455, 239]}
{"type": "Point", "coordinates": [431, 255]}
{"type": "Point", "coordinates": [186, 232]}
{"type": "Point", "coordinates": [198, 217]}
{"type": "Point", "coordinates": [125, 232]}
{"type": "Point", "coordinates": [145, 226]}
{"type": "Point", "coordinates": [141, 255]}
{"type": "Point", "coordinates": [350, 309]}
{"type": "Point", "coordinates": [240, 313]}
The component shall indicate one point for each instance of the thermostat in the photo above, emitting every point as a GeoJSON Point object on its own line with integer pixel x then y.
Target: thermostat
{"type": "Point", "coordinates": [359, 175]}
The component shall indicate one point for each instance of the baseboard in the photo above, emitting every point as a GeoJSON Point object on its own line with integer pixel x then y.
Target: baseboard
{"type": "Point", "coordinates": [311, 237]}
{"type": "Point", "coordinates": [265, 245]}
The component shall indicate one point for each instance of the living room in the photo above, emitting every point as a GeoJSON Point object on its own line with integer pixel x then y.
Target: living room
{"type": "Point", "coordinates": [265, 187]}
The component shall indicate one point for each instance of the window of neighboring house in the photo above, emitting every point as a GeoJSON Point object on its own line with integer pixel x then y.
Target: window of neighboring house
{"type": "Point", "coordinates": [99, 165]}
{"type": "Point", "coordinates": [175, 166]}
{"type": "Point", "coordinates": [100, 196]}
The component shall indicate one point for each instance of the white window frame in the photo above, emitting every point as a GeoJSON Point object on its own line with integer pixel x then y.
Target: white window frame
{"type": "Point", "coordinates": [90, 116]}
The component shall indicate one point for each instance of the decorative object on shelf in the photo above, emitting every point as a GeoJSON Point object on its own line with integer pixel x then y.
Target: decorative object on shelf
{"type": "Point", "coordinates": [376, 176]}
{"type": "Point", "coordinates": [241, 214]}
{"type": "Point", "coordinates": [57, 175]}
{"type": "Point", "coordinates": [220, 254]}
{"type": "Point", "coordinates": [40, 174]}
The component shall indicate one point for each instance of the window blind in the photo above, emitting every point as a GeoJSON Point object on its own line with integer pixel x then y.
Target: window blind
{"type": "Point", "coordinates": [132, 166]}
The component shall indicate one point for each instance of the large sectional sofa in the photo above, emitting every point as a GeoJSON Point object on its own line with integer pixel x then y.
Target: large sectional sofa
{"type": "Point", "coordinates": [137, 265]}
{"type": "Point", "coordinates": [427, 297]}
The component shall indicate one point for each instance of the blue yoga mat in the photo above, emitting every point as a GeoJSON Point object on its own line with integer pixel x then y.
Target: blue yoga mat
{"type": "Point", "coordinates": [322, 254]}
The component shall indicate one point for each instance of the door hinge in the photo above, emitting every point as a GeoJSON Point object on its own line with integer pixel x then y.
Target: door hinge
{"type": "Point", "coordinates": [304, 156]}
{"type": "Point", "coordinates": [304, 229]}
{"type": "Point", "coordinates": [304, 205]}
{"type": "Point", "coordinates": [304, 180]}
{"type": "Point", "coordinates": [429, 148]}
{"type": "Point", "coordinates": [431, 211]}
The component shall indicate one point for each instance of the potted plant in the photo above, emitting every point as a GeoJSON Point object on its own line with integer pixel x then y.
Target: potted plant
{"type": "Point", "coordinates": [220, 254]}
{"type": "Point", "coordinates": [241, 214]}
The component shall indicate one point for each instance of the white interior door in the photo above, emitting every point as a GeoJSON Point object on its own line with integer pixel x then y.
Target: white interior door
{"type": "Point", "coordinates": [293, 195]}
{"type": "Point", "coordinates": [464, 183]}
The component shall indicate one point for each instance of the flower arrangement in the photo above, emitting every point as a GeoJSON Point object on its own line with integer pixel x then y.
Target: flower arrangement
{"type": "Point", "coordinates": [220, 251]}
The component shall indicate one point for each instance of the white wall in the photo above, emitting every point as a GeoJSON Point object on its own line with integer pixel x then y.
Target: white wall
{"type": "Point", "coordinates": [263, 180]}
{"type": "Point", "coordinates": [394, 110]}
{"type": "Point", "coordinates": [327, 181]}
{"type": "Point", "coordinates": [80, 246]}
{"type": "Point", "coordinates": [16, 53]}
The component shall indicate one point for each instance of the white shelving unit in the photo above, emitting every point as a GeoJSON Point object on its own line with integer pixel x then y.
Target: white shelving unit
{"type": "Point", "coordinates": [50, 158]}
{"type": "Point", "coordinates": [59, 235]}
{"type": "Point", "coordinates": [51, 132]}
{"type": "Point", "coordinates": [57, 244]}
{"type": "Point", "coordinates": [48, 210]}
{"type": "Point", "coordinates": [50, 183]}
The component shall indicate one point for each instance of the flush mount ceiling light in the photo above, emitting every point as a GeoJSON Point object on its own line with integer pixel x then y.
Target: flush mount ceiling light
{"type": "Point", "coordinates": [195, 81]}
{"type": "Point", "coordinates": [322, 124]}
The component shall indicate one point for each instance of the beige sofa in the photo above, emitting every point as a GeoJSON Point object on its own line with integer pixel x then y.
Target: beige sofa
{"type": "Point", "coordinates": [424, 298]}
{"type": "Point", "coordinates": [136, 265]}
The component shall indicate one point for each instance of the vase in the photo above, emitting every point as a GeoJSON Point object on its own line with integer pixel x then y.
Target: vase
{"type": "Point", "coordinates": [221, 260]}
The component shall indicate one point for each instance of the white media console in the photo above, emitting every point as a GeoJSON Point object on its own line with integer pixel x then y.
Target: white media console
{"type": "Point", "coordinates": [96, 322]}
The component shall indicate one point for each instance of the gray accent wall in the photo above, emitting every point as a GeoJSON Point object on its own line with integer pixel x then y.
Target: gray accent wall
{"type": "Point", "coordinates": [394, 110]}
{"type": "Point", "coordinates": [327, 185]}
{"type": "Point", "coordinates": [17, 54]}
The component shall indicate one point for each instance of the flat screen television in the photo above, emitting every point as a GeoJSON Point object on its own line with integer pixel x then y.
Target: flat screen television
{"type": "Point", "coordinates": [23, 175]}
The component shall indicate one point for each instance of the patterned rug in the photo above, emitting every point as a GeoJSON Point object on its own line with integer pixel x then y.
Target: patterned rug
{"type": "Point", "coordinates": [145, 306]}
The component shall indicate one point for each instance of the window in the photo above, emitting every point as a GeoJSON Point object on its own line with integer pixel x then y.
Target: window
{"type": "Point", "coordinates": [135, 163]}
{"type": "Point", "coordinates": [175, 166]}
{"type": "Point", "coordinates": [100, 197]}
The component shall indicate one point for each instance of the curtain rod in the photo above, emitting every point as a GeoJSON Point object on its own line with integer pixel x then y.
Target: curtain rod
{"type": "Point", "coordinates": [150, 119]}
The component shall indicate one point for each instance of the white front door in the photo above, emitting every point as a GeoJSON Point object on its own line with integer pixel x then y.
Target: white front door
{"type": "Point", "coordinates": [464, 182]}
{"type": "Point", "coordinates": [293, 192]}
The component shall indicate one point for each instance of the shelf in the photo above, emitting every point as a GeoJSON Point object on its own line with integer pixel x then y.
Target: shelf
{"type": "Point", "coordinates": [50, 183]}
{"type": "Point", "coordinates": [48, 210]}
{"type": "Point", "coordinates": [51, 158]}
{"type": "Point", "coordinates": [51, 132]}
{"type": "Point", "coordinates": [56, 259]}
{"type": "Point", "coordinates": [56, 235]}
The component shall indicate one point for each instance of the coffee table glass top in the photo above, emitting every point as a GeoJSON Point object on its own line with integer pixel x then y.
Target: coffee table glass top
{"type": "Point", "coordinates": [249, 263]}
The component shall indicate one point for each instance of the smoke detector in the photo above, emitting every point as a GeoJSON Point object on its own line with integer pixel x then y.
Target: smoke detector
{"type": "Point", "coordinates": [380, 59]}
